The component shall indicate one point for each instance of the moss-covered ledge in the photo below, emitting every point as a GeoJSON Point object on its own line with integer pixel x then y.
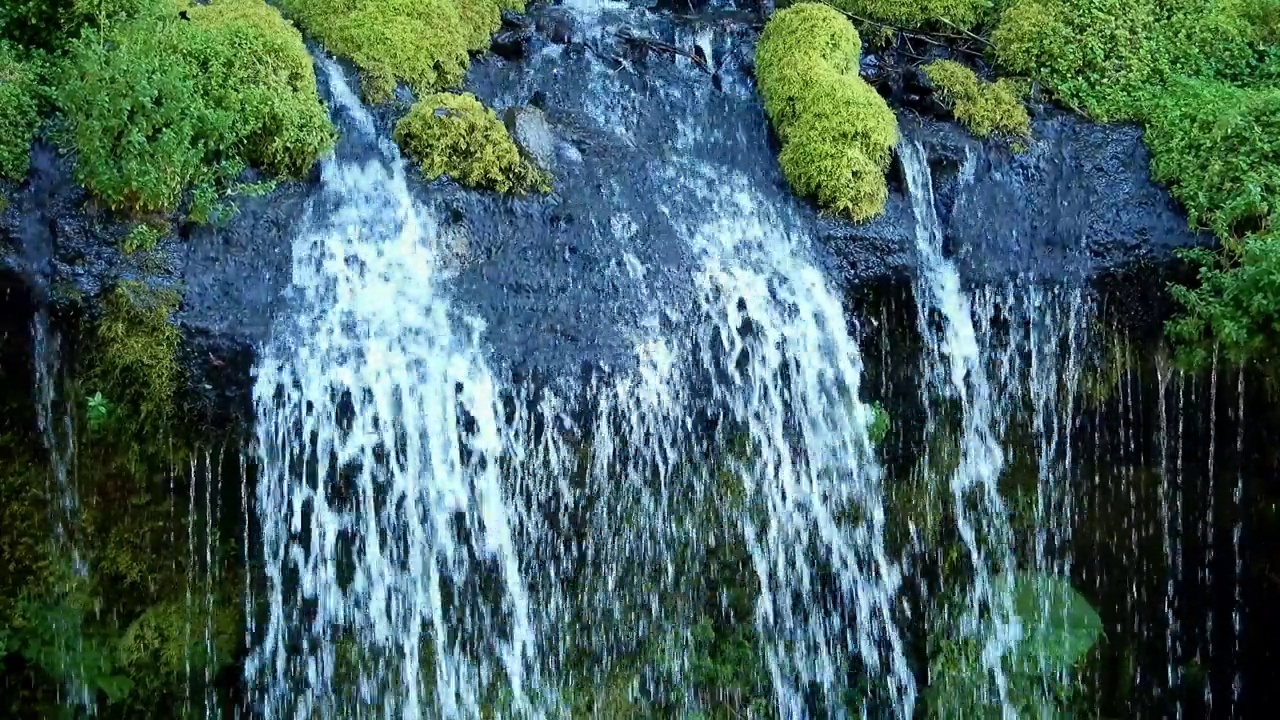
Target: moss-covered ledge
{"type": "Point", "coordinates": [426, 44]}
{"type": "Point", "coordinates": [837, 133]}
{"type": "Point", "coordinates": [455, 135]}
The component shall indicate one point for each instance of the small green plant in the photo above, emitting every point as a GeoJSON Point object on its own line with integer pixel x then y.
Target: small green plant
{"type": "Point", "coordinates": [880, 425]}
{"type": "Point", "coordinates": [836, 131]}
{"type": "Point", "coordinates": [457, 136]}
{"type": "Point", "coordinates": [983, 107]}
{"type": "Point", "coordinates": [141, 238]}
{"type": "Point", "coordinates": [97, 411]}
{"type": "Point", "coordinates": [425, 44]}
{"type": "Point", "coordinates": [136, 350]}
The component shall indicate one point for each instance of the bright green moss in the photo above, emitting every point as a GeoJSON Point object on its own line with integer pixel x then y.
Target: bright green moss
{"type": "Point", "coordinates": [915, 13]}
{"type": "Point", "coordinates": [157, 105]}
{"type": "Point", "coordinates": [19, 115]}
{"type": "Point", "coordinates": [422, 42]}
{"type": "Point", "coordinates": [457, 136]}
{"type": "Point", "coordinates": [836, 131]}
{"type": "Point", "coordinates": [983, 107]}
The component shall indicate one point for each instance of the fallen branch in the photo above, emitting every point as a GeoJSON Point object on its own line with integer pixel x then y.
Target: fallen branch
{"type": "Point", "coordinates": [626, 36]}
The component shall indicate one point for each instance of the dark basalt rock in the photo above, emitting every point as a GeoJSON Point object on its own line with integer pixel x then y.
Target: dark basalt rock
{"type": "Point", "coordinates": [640, 150]}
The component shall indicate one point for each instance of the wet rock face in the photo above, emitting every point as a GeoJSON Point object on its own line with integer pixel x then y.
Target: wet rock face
{"type": "Point", "coordinates": [643, 119]}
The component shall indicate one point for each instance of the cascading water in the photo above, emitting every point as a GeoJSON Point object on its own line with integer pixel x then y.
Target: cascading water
{"type": "Point", "coordinates": [391, 494]}
{"type": "Point", "coordinates": [954, 369]}
{"type": "Point", "coordinates": [58, 433]}
{"type": "Point", "coordinates": [380, 497]}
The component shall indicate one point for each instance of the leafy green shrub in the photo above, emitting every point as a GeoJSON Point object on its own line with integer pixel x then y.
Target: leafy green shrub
{"type": "Point", "coordinates": [836, 131]}
{"type": "Point", "coordinates": [457, 136]}
{"type": "Point", "coordinates": [19, 114]}
{"type": "Point", "coordinates": [1235, 306]}
{"type": "Point", "coordinates": [158, 105]}
{"type": "Point", "coordinates": [1059, 627]}
{"type": "Point", "coordinates": [983, 107]}
{"type": "Point", "coordinates": [425, 44]}
{"type": "Point", "coordinates": [1218, 147]}
{"type": "Point", "coordinates": [915, 13]}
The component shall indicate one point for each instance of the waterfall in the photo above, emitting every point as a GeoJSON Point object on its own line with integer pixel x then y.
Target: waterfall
{"type": "Point", "coordinates": [380, 489]}
{"type": "Point", "coordinates": [954, 369]}
{"type": "Point", "coordinates": [429, 532]}
{"type": "Point", "coordinates": [57, 431]}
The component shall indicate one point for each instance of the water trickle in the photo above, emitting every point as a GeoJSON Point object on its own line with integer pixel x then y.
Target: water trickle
{"type": "Point", "coordinates": [954, 370]}
{"type": "Point", "coordinates": [57, 431]}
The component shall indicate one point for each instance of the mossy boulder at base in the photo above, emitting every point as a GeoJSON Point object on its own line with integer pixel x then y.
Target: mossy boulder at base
{"type": "Point", "coordinates": [161, 110]}
{"type": "Point", "coordinates": [425, 43]}
{"type": "Point", "coordinates": [837, 133]}
{"type": "Point", "coordinates": [457, 136]}
{"type": "Point", "coordinates": [983, 107]}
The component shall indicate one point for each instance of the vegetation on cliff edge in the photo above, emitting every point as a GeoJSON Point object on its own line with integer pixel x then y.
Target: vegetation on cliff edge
{"type": "Point", "coordinates": [836, 131]}
{"type": "Point", "coordinates": [1203, 77]}
{"type": "Point", "coordinates": [457, 136]}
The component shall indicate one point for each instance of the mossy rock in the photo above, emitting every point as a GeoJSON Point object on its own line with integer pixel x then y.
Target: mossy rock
{"type": "Point", "coordinates": [425, 43]}
{"type": "Point", "coordinates": [19, 114]}
{"type": "Point", "coordinates": [983, 107]}
{"type": "Point", "coordinates": [457, 136]}
{"type": "Point", "coordinates": [157, 107]}
{"type": "Point", "coordinates": [916, 13]}
{"type": "Point", "coordinates": [837, 133]}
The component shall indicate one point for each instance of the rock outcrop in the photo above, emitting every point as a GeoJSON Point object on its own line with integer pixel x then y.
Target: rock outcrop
{"type": "Point", "coordinates": [639, 134]}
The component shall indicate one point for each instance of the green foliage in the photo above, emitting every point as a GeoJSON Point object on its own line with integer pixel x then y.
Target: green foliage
{"type": "Point", "coordinates": [157, 646]}
{"type": "Point", "coordinates": [1218, 147]}
{"type": "Point", "coordinates": [425, 44]}
{"type": "Point", "coordinates": [136, 349]}
{"type": "Point", "coordinates": [19, 114]}
{"type": "Point", "coordinates": [983, 107]}
{"type": "Point", "coordinates": [1235, 307]}
{"type": "Point", "coordinates": [836, 131]}
{"type": "Point", "coordinates": [880, 425]}
{"type": "Point", "coordinates": [946, 13]}
{"type": "Point", "coordinates": [1059, 627]}
{"type": "Point", "coordinates": [1203, 76]}
{"type": "Point", "coordinates": [156, 105]}
{"type": "Point", "coordinates": [457, 136]}
{"type": "Point", "coordinates": [141, 238]}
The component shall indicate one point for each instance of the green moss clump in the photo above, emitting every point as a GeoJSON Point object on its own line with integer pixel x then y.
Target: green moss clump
{"type": "Point", "coordinates": [136, 350]}
{"type": "Point", "coordinates": [425, 43]}
{"type": "Point", "coordinates": [983, 107]}
{"type": "Point", "coordinates": [836, 131]}
{"type": "Point", "coordinates": [156, 105]}
{"type": "Point", "coordinates": [953, 13]}
{"type": "Point", "coordinates": [457, 136]}
{"type": "Point", "coordinates": [19, 114]}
